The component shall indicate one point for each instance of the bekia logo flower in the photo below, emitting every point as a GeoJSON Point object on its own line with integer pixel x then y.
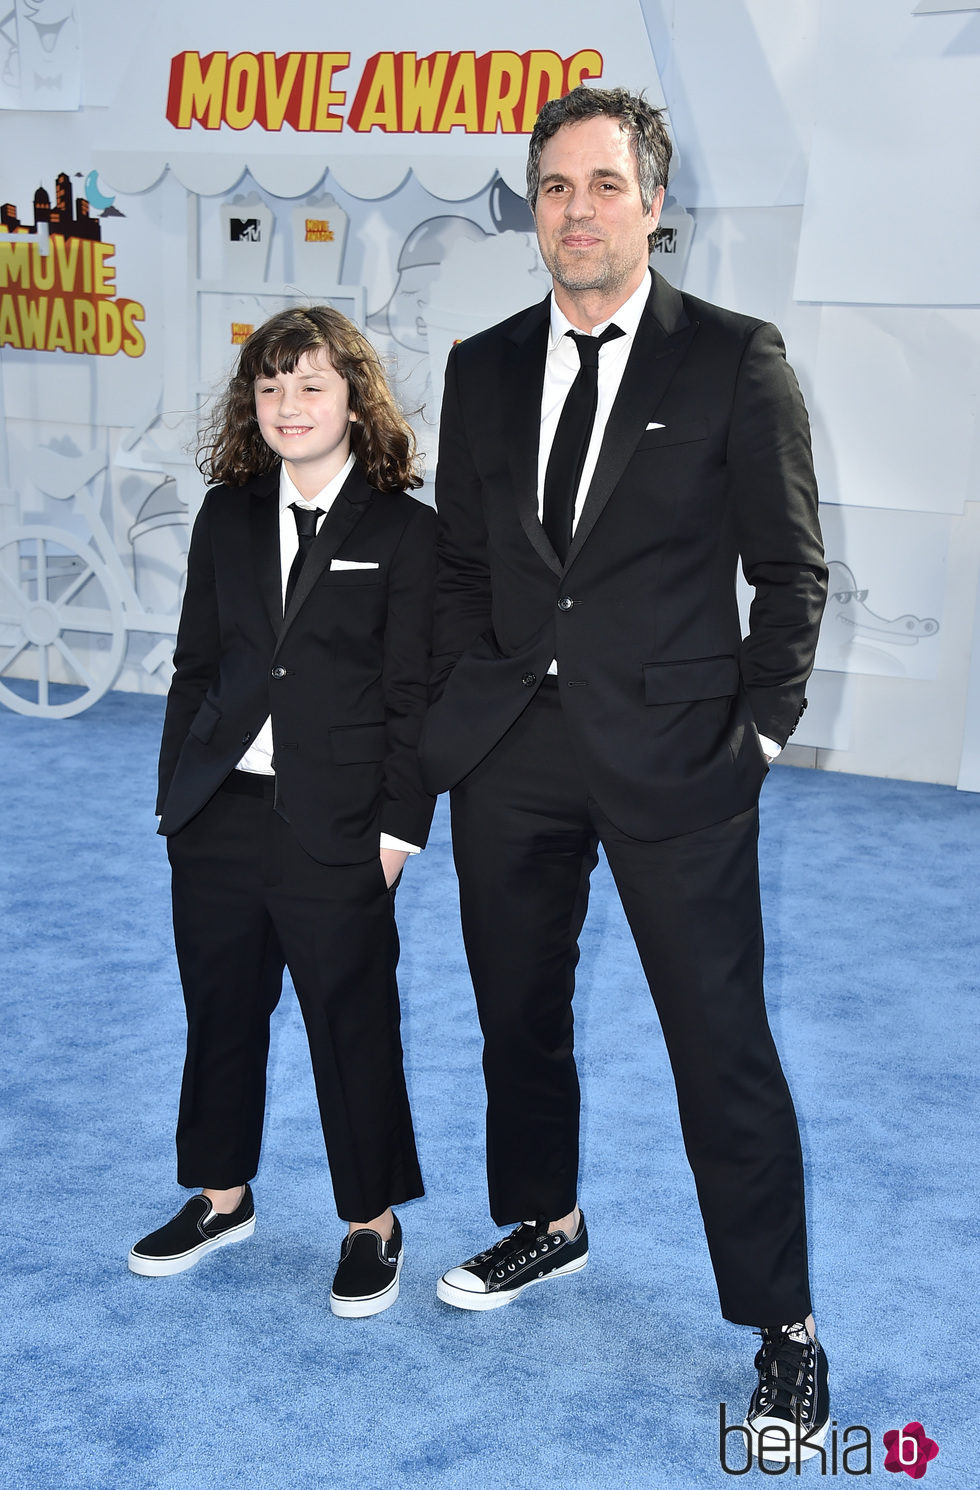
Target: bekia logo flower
{"type": "Point", "coordinates": [909, 1449]}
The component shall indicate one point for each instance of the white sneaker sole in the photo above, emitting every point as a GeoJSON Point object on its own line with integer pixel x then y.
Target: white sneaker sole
{"type": "Point", "coordinates": [165, 1267]}
{"type": "Point", "coordinates": [376, 1303]}
{"type": "Point", "coordinates": [779, 1455]}
{"type": "Point", "coordinates": [462, 1298]}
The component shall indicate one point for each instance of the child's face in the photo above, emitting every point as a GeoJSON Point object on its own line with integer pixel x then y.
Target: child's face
{"type": "Point", "coordinates": [304, 416]}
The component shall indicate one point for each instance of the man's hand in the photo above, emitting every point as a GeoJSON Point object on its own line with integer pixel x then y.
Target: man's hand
{"type": "Point", "coordinates": [392, 862]}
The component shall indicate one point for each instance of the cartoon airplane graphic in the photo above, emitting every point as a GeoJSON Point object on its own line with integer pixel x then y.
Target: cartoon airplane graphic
{"type": "Point", "coordinates": [846, 607]}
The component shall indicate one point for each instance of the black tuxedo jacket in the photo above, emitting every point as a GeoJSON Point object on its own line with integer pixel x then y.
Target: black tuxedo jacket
{"type": "Point", "coordinates": [659, 688]}
{"type": "Point", "coordinates": [343, 674]}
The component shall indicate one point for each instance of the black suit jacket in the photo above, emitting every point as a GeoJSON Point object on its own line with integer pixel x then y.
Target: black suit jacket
{"type": "Point", "coordinates": [343, 674]}
{"type": "Point", "coordinates": [659, 689]}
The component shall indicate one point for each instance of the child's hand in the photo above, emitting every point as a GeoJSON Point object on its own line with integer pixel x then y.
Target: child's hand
{"type": "Point", "coordinates": [392, 862]}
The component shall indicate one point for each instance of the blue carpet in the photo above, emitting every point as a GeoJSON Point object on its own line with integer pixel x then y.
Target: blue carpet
{"type": "Point", "coordinates": [236, 1374]}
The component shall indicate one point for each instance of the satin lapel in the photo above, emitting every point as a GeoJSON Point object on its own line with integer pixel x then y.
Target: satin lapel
{"type": "Point", "coordinates": [350, 505]}
{"type": "Point", "coordinates": [523, 370]}
{"type": "Point", "coordinates": [662, 338]}
{"type": "Point", "coordinates": [264, 532]}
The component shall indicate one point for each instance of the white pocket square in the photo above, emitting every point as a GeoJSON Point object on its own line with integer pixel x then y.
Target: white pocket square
{"type": "Point", "coordinates": [656, 426]}
{"type": "Point", "coordinates": [351, 564]}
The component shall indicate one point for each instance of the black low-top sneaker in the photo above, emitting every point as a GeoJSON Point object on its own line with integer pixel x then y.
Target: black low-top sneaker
{"type": "Point", "coordinates": [531, 1254]}
{"type": "Point", "coordinates": [190, 1235]}
{"type": "Point", "coordinates": [790, 1408]}
{"type": "Point", "coordinates": [366, 1280]}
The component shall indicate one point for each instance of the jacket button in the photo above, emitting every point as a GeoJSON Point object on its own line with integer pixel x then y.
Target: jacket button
{"type": "Point", "coordinates": [529, 680]}
{"type": "Point", "coordinates": [566, 602]}
{"type": "Point", "coordinates": [278, 672]}
{"type": "Point", "coordinates": [246, 739]}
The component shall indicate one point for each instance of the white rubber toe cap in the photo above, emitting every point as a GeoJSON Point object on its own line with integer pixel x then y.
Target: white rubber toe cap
{"type": "Point", "coordinates": [464, 1281]}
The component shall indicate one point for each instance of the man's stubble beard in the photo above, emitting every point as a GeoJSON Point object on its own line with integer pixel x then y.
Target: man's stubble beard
{"type": "Point", "coordinates": [607, 277]}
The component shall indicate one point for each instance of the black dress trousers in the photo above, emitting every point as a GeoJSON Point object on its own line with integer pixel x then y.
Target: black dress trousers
{"type": "Point", "coordinates": [526, 832]}
{"type": "Point", "coordinates": [247, 901]}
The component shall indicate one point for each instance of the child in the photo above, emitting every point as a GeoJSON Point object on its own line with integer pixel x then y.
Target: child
{"type": "Point", "coordinates": [289, 785]}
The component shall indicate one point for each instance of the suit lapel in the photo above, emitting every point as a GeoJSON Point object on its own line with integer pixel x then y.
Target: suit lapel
{"type": "Point", "coordinates": [350, 505]}
{"type": "Point", "coordinates": [264, 532]}
{"type": "Point", "coordinates": [523, 370]}
{"type": "Point", "coordinates": [662, 338]}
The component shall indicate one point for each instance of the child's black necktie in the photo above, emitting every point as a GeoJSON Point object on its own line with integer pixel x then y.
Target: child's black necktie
{"type": "Point", "coordinates": [306, 521]}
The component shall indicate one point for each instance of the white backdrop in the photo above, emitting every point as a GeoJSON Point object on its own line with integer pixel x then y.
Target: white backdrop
{"type": "Point", "coordinates": [826, 180]}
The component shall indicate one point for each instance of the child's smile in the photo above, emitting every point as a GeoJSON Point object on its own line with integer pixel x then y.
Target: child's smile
{"type": "Point", "coordinates": [305, 417]}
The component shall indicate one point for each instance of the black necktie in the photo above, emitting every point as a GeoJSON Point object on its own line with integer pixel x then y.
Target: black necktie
{"type": "Point", "coordinates": [306, 521]}
{"type": "Point", "coordinates": [571, 443]}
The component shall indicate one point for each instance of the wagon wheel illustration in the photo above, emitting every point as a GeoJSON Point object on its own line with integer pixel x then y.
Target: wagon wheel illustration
{"type": "Point", "coordinates": [55, 592]}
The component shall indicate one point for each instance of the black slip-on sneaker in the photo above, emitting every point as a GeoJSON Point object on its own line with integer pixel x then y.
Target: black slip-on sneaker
{"type": "Point", "coordinates": [366, 1281]}
{"type": "Point", "coordinates": [190, 1235]}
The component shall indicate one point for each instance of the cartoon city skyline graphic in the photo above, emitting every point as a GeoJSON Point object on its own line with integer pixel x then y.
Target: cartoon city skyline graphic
{"type": "Point", "coordinates": [69, 216]}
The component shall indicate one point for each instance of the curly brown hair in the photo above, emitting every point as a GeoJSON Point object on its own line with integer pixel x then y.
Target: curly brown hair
{"type": "Point", "coordinates": [232, 450]}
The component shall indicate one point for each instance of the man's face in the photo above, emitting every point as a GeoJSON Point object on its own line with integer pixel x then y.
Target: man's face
{"type": "Point", "coordinates": [592, 227]}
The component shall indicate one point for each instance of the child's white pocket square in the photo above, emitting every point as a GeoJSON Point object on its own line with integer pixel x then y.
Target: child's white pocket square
{"type": "Point", "coordinates": [351, 564]}
{"type": "Point", "coordinates": [656, 426]}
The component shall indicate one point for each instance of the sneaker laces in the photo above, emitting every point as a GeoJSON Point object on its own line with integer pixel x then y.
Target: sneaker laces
{"type": "Point", "coordinates": [785, 1363]}
{"type": "Point", "coordinates": [520, 1246]}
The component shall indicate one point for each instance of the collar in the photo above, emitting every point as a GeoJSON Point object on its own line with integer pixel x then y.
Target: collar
{"type": "Point", "coordinates": [627, 317]}
{"type": "Point", "coordinates": [323, 499]}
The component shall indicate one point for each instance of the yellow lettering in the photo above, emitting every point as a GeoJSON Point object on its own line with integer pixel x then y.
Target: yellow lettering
{"type": "Point", "coordinates": [422, 84]}
{"type": "Point", "coordinates": [105, 273]}
{"type": "Point", "coordinates": [202, 90]}
{"type": "Point", "coordinates": [33, 321]}
{"type": "Point", "coordinates": [380, 107]}
{"type": "Point", "coordinates": [42, 268]}
{"type": "Point", "coordinates": [110, 328]}
{"type": "Point", "coordinates": [134, 342]}
{"type": "Point", "coordinates": [15, 264]}
{"type": "Point", "coordinates": [277, 94]}
{"type": "Point", "coordinates": [9, 330]}
{"type": "Point", "coordinates": [84, 339]}
{"type": "Point", "coordinates": [505, 79]}
{"type": "Point", "coordinates": [310, 62]}
{"type": "Point", "coordinates": [59, 332]}
{"type": "Point", "coordinates": [330, 62]}
{"type": "Point", "coordinates": [544, 81]}
{"type": "Point", "coordinates": [66, 253]}
{"type": "Point", "coordinates": [461, 106]}
{"type": "Point", "coordinates": [87, 266]}
{"type": "Point", "coordinates": [582, 65]}
{"type": "Point", "coordinates": [243, 90]}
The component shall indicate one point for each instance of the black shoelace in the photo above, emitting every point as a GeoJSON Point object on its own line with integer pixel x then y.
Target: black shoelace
{"type": "Point", "coordinates": [786, 1374]}
{"type": "Point", "coordinates": [522, 1244]}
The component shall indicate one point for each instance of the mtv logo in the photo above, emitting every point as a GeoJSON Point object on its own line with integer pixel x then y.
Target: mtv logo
{"type": "Point", "coordinates": [244, 230]}
{"type": "Point", "coordinates": [667, 242]}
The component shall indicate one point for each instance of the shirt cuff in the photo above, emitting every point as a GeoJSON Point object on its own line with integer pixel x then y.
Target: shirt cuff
{"type": "Point", "coordinates": [769, 747]}
{"type": "Point", "coordinates": [399, 843]}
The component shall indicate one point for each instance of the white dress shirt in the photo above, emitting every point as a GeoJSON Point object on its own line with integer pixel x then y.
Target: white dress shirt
{"type": "Point", "coordinates": [258, 758]}
{"type": "Point", "coordinates": [560, 370]}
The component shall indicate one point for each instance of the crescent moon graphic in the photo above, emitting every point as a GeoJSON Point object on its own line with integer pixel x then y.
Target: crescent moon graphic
{"type": "Point", "coordinates": [93, 194]}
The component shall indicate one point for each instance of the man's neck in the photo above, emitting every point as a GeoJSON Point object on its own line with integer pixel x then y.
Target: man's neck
{"type": "Point", "coordinates": [587, 309]}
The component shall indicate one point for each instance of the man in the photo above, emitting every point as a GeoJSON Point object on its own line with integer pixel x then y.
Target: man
{"type": "Point", "coordinates": [592, 686]}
